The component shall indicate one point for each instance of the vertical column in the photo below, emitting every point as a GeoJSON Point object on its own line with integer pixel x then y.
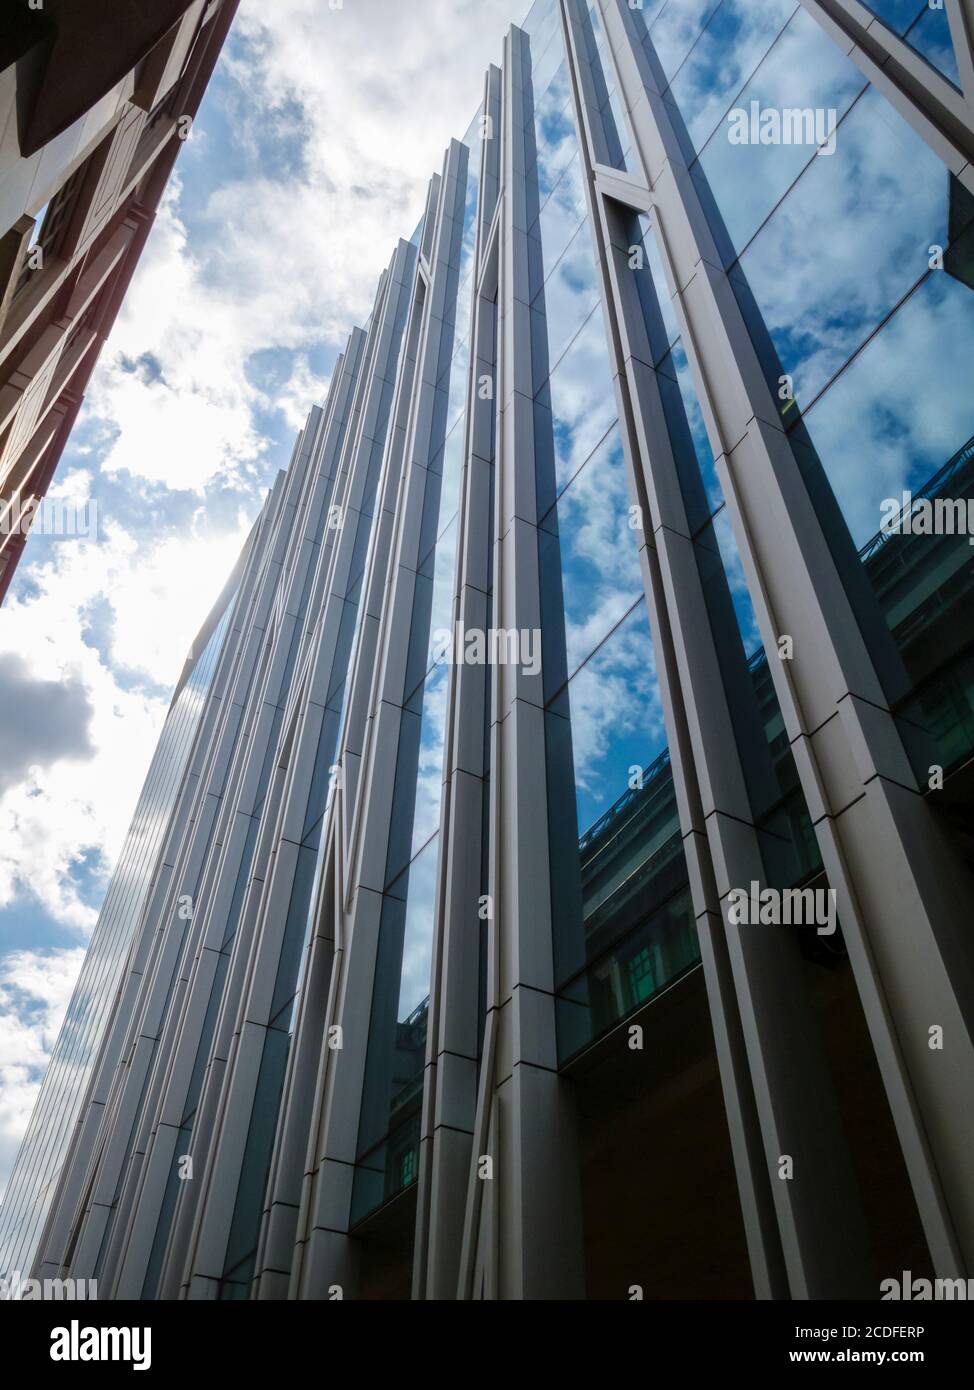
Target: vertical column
{"type": "Point", "coordinates": [523, 1236]}
{"type": "Point", "coordinates": [186, 841]}
{"type": "Point", "coordinates": [901, 890]}
{"type": "Point", "coordinates": [186, 1025]}
{"type": "Point", "coordinates": [200, 1036]}
{"type": "Point", "coordinates": [325, 1254]}
{"type": "Point", "coordinates": [310, 1051]}
{"type": "Point", "coordinates": [807, 1234]}
{"type": "Point", "coordinates": [170, 943]}
{"type": "Point", "coordinates": [936, 110]}
{"type": "Point", "coordinates": [452, 1042]}
{"type": "Point", "coordinates": [232, 1184]}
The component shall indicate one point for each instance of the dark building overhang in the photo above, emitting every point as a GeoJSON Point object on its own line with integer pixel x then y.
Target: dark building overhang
{"type": "Point", "coordinates": [71, 53]}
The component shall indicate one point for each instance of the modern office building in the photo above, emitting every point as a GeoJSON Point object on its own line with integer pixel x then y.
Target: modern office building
{"type": "Point", "coordinates": [590, 646]}
{"type": "Point", "coordinates": [98, 999]}
{"type": "Point", "coordinates": [96, 99]}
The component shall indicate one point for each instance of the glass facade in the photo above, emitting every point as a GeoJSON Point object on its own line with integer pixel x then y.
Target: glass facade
{"type": "Point", "coordinates": [848, 346]}
{"type": "Point", "coordinates": [567, 389]}
{"type": "Point", "coordinates": [33, 1181]}
{"type": "Point", "coordinates": [388, 1135]}
{"type": "Point", "coordinates": [603, 715]}
{"type": "Point", "coordinates": [924, 27]}
{"type": "Point", "coordinates": [242, 1244]}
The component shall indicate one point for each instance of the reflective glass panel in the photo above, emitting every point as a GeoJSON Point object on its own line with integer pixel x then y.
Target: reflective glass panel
{"type": "Point", "coordinates": [804, 71]}
{"type": "Point", "coordinates": [732, 45]}
{"type": "Point", "coordinates": [848, 241]}
{"type": "Point", "coordinates": [930, 36]}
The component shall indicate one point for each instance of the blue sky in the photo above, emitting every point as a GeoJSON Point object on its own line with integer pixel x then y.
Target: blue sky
{"type": "Point", "coordinates": [311, 153]}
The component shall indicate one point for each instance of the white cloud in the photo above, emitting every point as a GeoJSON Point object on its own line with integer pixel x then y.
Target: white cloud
{"type": "Point", "coordinates": [171, 391]}
{"type": "Point", "coordinates": [157, 597]}
{"type": "Point", "coordinates": [35, 987]}
{"type": "Point", "coordinates": [331, 109]}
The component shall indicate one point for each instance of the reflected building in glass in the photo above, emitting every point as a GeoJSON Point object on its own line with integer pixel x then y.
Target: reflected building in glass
{"type": "Point", "coordinates": [449, 994]}
{"type": "Point", "coordinates": [96, 101]}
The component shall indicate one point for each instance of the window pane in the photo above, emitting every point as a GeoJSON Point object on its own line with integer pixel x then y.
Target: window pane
{"type": "Point", "coordinates": [677, 27]}
{"type": "Point", "coordinates": [560, 217]}
{"type": "Point", "coordinates": [930, 36]}
{"type": "Point", "coordinates": [898, 15]}
{"type": "Point", "coordinates": [905, 405]}
{"type": "Point", "coordinates": [900, 421]}
{"type": "Point", "coordinates": [729, 49]}
{"type": "Point", "coordinates": [804, 70]}
{"type": "Point", "coordinates": [576, 407]}
{"type": "Point", "coordinates": [589, 562]}
{"type": "Point", "coordinates": [616, 715]}
{"type": "Point", "coordinates": [397, 1030]}
{"type": "Point", "coordinates": [618, 875]}
{"type": "Point", "coordinates": [554, 133]}
{"type": "Point", "coordinates": [820, 290]}
{"type": "Point", "coordinates": [569, 296]}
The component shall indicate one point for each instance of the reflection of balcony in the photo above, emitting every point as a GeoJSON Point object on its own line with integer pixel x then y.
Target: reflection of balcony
{"type": "Point", "coordinates": [953, 480]}
{"type": "Point", "coordinates": [407, 1081]}
{"type": "Point", "coordinates": [393, 1164]}
{"type": "Point", "coordinates": [925, 585]}
{"type": "Point", "coordinates": [638, 925]}
{"type": "Point", "coordinates": [387, 1169]}
{"type": "Point", "coordinates": [638, 929]}
{"type": "Point", "coordinates": [631, 858]}
{"type": "Point", "coordinates": [612, 817]}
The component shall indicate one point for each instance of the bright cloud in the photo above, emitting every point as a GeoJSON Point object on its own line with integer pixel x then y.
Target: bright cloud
{"type": "Point", "coordinates": [35, 987]}
{"type": "Point", "coordinates": [152, 598]}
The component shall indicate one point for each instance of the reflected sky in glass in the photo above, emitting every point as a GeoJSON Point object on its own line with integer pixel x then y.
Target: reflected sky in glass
{"type": "Point", "coordinates": [803, 69]}
{"type": "Point", "coordinates": [581, 397]}
{"type": "Point", "coordinates": [730, 555]}
{"type": "Point", "coordinates": [570, 295]}
{"type": "Point", "coordinates": [616, 716]}
{"type": "Point", "coordinates": [542, 24]}
{"type": "Point", "coordinates": [903, 407]}
{"type": "Point", "coordinates": [588, 535]}
{"type": "Point", "coordinates": [676, 28]}
{"type": "Point", "coordinates": [930, 36]}
{"type": "Point", "coordinates": [441, 564]}
{"type": "Point", "coordinates": [429, 779]}
{"type": "Point", "coordinates": [417, 949]}
{"type": "Point", "coordinates": [726, 54]}
{"type": "Point", "coordinates": [561, 215]}
{"type": "Point", "coordinates": [898, 15]}
{"type": "Point", "coordinates": [676, 367]}
{"type": "Point", "coordinates": [847, 243]}
{"type": "Point", "coordinates": [554, 127]}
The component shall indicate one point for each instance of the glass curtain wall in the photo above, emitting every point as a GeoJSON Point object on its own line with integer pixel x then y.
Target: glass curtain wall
{"type": "Point", "coordinates": [388, 1138]}
{"type": "Point", "coordinates": [244, 1230]}
{"type": "Point", "coordinates": [852, 261]}
{"type": "Point", "coordinates": [622, 924]}
{"type": "Point", "coordinates": [27, 1198]}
